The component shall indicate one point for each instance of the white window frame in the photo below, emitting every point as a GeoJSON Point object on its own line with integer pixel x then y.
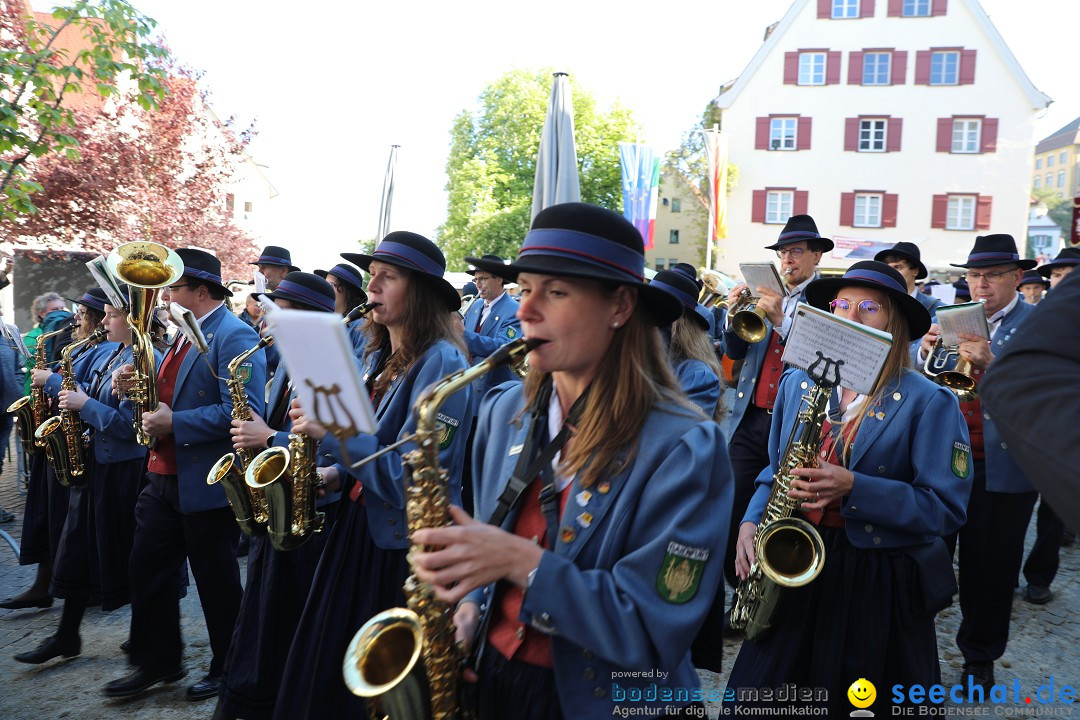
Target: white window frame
{"type": "Point", "coordinates": [1049, 179]}
{"type": "Point", "coordinates": [868, 73]}
{"type": "Point", "coordinates": [813, 68]}
{"type": "Point", "coordinates": [845, 9]}
{"type": "Point", "coordinates": [673, 237]}
{"type": "Point", "coordinates": [966, 135]}
{"type": "Point", "coordinates": [916, 8]}
{"type": "Point", "coordinates": [1038, 163]}
{"type": "Point", "coordinates": [961, 212]}
{"type": "Point", "coordinates": [676, 205]}
{"type": "Point", "coordinates": [945, 59]}
{"type": "Point", "coordinates": [1038, 182]}
{"type": "Point", "coordinates": [868, 210]}
{"type": "Point", "coordinates": [1064, 158]}
{"type": "Point", "coordinates": [1049, 161]}
{"type": "Point", "coordinates": [873, 135]}
{"type": "Point", "coordinates": [784, 133]}
{"type": "Point", "coordinates": [1061, 179]}
{"type": "Point", "coordinates": [779, 206]}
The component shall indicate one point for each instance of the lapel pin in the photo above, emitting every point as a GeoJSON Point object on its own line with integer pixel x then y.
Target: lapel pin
{"type": "Point", "coordinates": [583, 498]}
{"type": "Point", "coordinates": [584, 519]}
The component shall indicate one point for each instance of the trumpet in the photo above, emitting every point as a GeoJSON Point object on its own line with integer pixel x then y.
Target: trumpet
{"type": "Point", "coordinates": [713, 294]}
{"type": "Point", "coordinates": [747, 319]}
{"type": "Point", "coordinates": [960, 379]}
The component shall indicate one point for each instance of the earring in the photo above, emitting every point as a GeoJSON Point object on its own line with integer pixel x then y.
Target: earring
{"type": "Point", "coordinates": [615, 324]}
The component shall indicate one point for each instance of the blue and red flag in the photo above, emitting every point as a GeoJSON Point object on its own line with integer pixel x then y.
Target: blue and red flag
{"type": "Point", "coordinates": [641, 187]}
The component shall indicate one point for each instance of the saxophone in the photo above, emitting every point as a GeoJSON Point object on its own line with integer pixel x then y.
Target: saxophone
{"type": "Point", "coordinates": [381, 663]}
{"type": "Point", "coordinates": [248, 504]}
{"type": "Point", "coordinates": [287, 478]}
{"type": "Point", "coordinates": [62, 434]}
{"type": "Point", "coordinates": [29, 410]}
{"type": "Point", "coordinates": [789, 551]}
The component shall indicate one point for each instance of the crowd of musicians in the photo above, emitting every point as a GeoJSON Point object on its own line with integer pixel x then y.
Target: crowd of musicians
{"type": "Point", "coordinates": [601, 517]}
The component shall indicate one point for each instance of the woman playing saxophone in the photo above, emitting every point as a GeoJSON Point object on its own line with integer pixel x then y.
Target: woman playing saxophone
{"type": "Point", "coordinates": [893, 478]}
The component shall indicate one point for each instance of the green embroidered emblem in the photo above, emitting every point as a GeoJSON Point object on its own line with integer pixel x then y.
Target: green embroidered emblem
{"type": "Point", "coordinates": [680, 572]}
{"type": "Point", "coordinates": [961, 459]}
{"type": "Point", "coordinates": [511, 333]}
{"type": "Point", "coordinates": [447, 426]}
{"type": "Point", "coordinates": [243, 373]}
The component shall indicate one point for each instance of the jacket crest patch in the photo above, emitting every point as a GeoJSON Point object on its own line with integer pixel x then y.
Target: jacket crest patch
{"type": "Point", "coordinates": [961, 459]}
{"type": "Point", "coordinates": [680, 572]}
{"type": "Point", "coordinates": [243, 373]}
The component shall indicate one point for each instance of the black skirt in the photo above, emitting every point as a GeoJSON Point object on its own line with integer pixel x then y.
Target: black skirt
{"type": "Point", "coordinates": [95, 546]}
{"type": "Point", "coordinates": [355, 580]}
{"type": "Point", "coordinates": [44, 513]}
{"type": "Point", "coordinates": [863, 617]}
{"type": "Point", "coordinates": [277, 588]}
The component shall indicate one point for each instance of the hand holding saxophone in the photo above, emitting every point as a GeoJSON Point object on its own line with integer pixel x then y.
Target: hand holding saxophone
{"type": "Point", "coordinates": [39, 377]}
{"type": "Point", "coordinates": [821, 485]}
{"type": "Point", "coordinates": [250, 434]}
{"type": "Point", "coordinates": [72, 400]}
{"type": "Point", "coordinates": [303, 424]}
{"type": "Point", "coordinates": [472, 554]}
{"type": "Point", "coordinates": [158, 422]}
{"type": "Point", "coordinates": [745, 549]}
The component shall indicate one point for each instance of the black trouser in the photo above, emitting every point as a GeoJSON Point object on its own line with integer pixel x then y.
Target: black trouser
{"type": "Point", "coordinates": [164, 537]}
{"type": "Point", "coordinates": [991, 548]}
{"type": "Point", "coordinates": [1042, 562]}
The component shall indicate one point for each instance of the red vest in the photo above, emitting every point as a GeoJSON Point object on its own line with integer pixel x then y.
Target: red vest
{"type": "Point", "coordinates": [772, 368]}
{"type": "Point", "coordinates": [163, 456]}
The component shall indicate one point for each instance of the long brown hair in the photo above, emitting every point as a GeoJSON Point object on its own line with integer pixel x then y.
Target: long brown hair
{"type": "Point", "coordinates": [898, 359]}
{"type": "Point", "coordinates": [425, 321]}
{"type": "Point", "coordinates": [690, 342]}
{"type": "Point", "coordinates": [633, 376]}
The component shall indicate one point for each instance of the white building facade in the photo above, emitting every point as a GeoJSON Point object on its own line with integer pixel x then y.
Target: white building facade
{"type": "Point", "coordinates": [885, 120]}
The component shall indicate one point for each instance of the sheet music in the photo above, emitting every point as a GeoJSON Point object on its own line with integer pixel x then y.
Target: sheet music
{"type": "Point", "coordinates": [967, 318]}
{"type": "Point", "coordinates": [11, 332]}
{"type": "Point", "coordinates": [861, 350]}
{"type": "Point", "coordinates": [186, 322]}
{"type": "Point", "coordinates": [328, 381]}
{"type": "Point", "coordinates": [944, 293]}
{"type": "Point", "coordinates": [99, 268]}
{"type": "Point", "coordinates": [260, 283]}
{"type": "Point", "coordinates": [761, 275]}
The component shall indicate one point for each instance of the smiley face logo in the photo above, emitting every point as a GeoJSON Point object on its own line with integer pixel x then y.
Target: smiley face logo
{"type": "Point", "coordinates": [862, 693]}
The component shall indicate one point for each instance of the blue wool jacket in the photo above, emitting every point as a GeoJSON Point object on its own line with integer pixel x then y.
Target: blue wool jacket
{"type": "Point", "coordinates": [111, 418]}
{"type": "Point", "coordinates": [700, 384]}
{"type": "Point", "coordinates": [501, 327]}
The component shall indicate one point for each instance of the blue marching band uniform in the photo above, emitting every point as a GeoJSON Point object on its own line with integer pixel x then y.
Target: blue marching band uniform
{"type": "Point", "coordinates": [277, 646]}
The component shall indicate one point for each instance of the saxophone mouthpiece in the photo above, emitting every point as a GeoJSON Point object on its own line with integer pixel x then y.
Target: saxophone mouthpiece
{"type": "Point", "coordinates": [533, 343]}
{"type": "Point", "coordinates": [360, 311]}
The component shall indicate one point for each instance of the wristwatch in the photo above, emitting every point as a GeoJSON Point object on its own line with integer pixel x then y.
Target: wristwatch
{"type": "Point", "coordinates": [270, 439]}
{"type": "Point", "coordinates": [532, 576]}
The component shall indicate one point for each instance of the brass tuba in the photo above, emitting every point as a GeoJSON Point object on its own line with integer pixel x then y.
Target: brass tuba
{"type": "Point", "coordinates": [248, 505]}
{"type": "Point", "coordinates": [146, 267]}
{"type": "Point", "coordinates": [712, 292]}
{"type": "Point", "coordinates": [382, 662]}
{"type": "Point", "coordinates": [788, 551]}
{"type": "Point", "coordinates": [62, 435]}
{"type": "Point", "coordinates": [287, 479]}
{"type": "Point", "coordinates": [29, 410]}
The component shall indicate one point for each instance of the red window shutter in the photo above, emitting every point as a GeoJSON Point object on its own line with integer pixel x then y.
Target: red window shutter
{"type": "Point", "coordinates": [847, 209]}
{"type": "Point", "coordinates": [896, 8]}
{"type": "Point", "coordinates": [854, 68]}
{"type": "Point", "coordinates": [940, 212]}
{"type": "Point", "coordinates": [922, 67]}
{"type": "Point", "coordinates": [967, 67]}
{"type": "Point", "coordinates": [944, 134]}
{"type": "Point", "coordinates": [888, 209]}
{"type": "Point", "coordinates": [938, 7]}
{"type": "Point", "coordinates": [899, 67]}
{"type": "Point", "coordinates": [989, 135]}
{"type": "Point", "coordinates": [982, 212]}
{"type": "Point", "coordinates": [851, 134]}
{"type": "Point", "coordinates": [791, 68]}
{"type": "Point", "coordinates": [866, 8]}
{"type": "Point", "coordinates": [832, 68]}
{"type": "Point", "coordinates": [761, 135]}
{"type": "Point", "coordinates": [801, 204]}
{"type": "Point", "coordinates": [802, 138]}
{"type": "Point", "coordinates": [824, 9]}
{"type": "Point", "coordinates": [894, 131]}
{"type": "Point", "coordinates": [757, 212]}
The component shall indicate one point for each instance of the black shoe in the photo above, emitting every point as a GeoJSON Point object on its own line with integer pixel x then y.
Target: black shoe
{"type": "Point", "coordinates": [142, 679]}
{"type": "Point", "coordinates": [208, 687]}
{"type": "Point", "coordinates": [1038, 594]}
{"type": "Point", "coordinates": [20, 601]}
{"type": "Point", "coordinates": [51, 647]}
{"type": "Point", "coordinates": [982, 675]}
{"type": "Point", "coordinates": [125, 647]}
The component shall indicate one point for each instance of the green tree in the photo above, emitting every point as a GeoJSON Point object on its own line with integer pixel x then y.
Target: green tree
{"type": "Point", "coordinates": [1059, 208]}
{"type": "Point", "coordinates": [41, 80]}
{"type": "Point", "coordinates": [492, 163]}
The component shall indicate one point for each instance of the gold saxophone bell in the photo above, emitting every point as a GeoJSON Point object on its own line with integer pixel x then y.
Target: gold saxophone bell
{"type": "Point", "coordinates": [959, 379]}
{"type": "Point", "coordinates": [382, 665]}
{"type": "Point", "coordinates": [747, 319]}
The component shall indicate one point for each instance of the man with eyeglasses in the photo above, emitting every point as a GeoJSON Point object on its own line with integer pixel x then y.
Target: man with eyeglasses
{"type": "Point", "coordinates": [799, 249]}
{"type": "Point", "coordinates": [992, 541]}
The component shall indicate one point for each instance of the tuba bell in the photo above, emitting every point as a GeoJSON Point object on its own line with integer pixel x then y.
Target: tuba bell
{"type": "Point", "coordinates": [146, 267]}
{"type": "Point", "coordinates": [712, 292]}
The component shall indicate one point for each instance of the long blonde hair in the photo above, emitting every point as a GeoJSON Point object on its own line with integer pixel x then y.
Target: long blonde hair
{"type": "Point", "coordinates": [898, 359]}
{"type": "Point", "coordinates": [690, 342]}
{"type": "Point", "coordinates": [425, 321]}
{"type": "Point", "coordinates": [633, 377]}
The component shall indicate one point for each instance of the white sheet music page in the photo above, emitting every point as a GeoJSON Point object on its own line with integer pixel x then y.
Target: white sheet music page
{"type": "Point", "coordinates": [319, 357]}
{"type": "Point", "coordinates": [761, 275]}
{"type": "Point", "coordinates": [967, 318]}
{"type": "Point", "coordinates": [820, 337]}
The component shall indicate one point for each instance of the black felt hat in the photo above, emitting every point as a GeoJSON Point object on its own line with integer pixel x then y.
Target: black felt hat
{"type": "Point", "coordinates": [587, 241]}
{"type": "Point", "coordinates": [683, 289]}
{"type": "Point", "coordinates": [347, 274]}
{"type": "Point", "coordinates": [907, 250]}
{"type": "Point", "coordinates": [876, 276]}
{"type": "Point", "coordinates": [1034, 276]}
{"type": "Point", "coordinates": [486, 258]}
{"type": "Point", "coordinates": [1067, 257]}
{"type": "Point", "coordinates": [414, 252]}
{"type": "Point", "coordinates": [799, 228]}
{"type": "Point", "coordinates": [203, 266]}
{"type": "Point", "coordinates": [276, 255]}
{"type": "Point", "coordinates": [991, 250]}
{"type": "Point", "coordinates": [689, 271]}
{"type": "Point", "coordinates": [93, 298]}
{"type": "Point", "coordinates": [306, 288]}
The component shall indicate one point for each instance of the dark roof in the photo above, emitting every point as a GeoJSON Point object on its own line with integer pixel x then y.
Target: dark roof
{"type": "Point", "coordinates": [1062, 138]}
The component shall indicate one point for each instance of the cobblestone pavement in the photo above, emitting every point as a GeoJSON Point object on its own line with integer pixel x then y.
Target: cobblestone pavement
{"type": "Point", "coordinates": [1043, 644]}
